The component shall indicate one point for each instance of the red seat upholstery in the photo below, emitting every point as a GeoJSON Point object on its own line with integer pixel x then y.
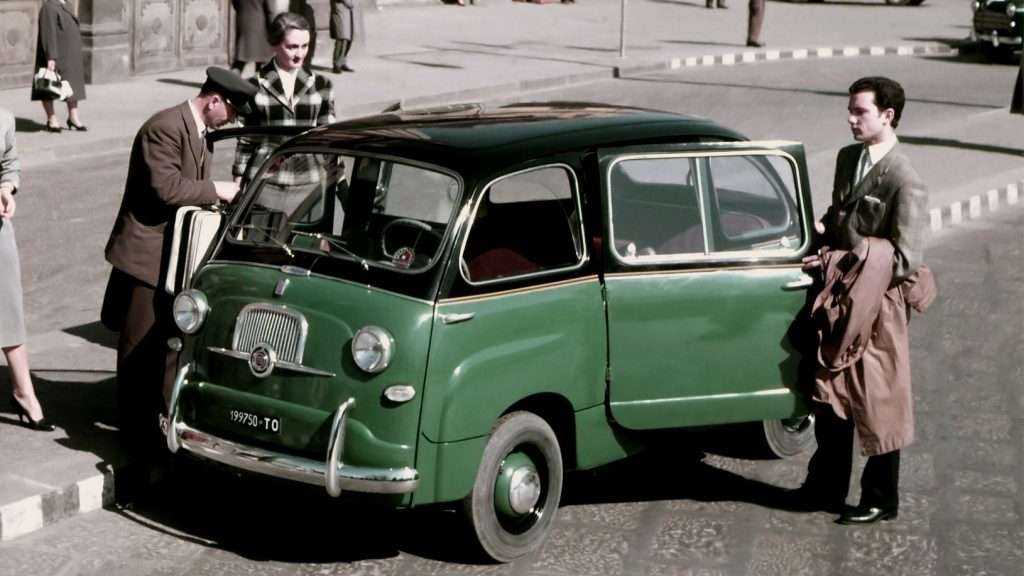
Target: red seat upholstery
{"type": "Point", "coordinates": [498, 263]}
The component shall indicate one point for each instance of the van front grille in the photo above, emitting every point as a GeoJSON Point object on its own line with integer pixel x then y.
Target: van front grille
{"type": "Point", "coordinates": [280, 328]}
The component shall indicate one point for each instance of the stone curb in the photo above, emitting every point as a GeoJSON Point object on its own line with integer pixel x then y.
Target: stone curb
{"type": "Point", "coordinates": [975, 207]}
{"type": "Point", "coordinates": [37, 511]}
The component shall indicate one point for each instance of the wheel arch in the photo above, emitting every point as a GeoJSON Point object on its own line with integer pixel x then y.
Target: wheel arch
{"type": "Point", "coordinates": [558, 412]}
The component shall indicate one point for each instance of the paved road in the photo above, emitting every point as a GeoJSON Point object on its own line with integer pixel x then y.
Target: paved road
{"type": "Point", "coordinates": [961, 508]}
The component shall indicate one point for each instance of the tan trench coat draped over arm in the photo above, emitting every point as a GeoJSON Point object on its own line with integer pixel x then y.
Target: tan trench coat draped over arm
{"type": "Point", "coordinates": [864, 357]}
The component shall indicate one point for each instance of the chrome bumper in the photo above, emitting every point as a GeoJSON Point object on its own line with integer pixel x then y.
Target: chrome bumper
{"type": "Point", "coordinates": [998, 40]}
{"type": "Point", "coordinates": [332, 473]}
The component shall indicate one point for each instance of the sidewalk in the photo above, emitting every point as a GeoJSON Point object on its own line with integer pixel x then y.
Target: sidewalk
{"type": "Point", "coordinates": [416, 55]}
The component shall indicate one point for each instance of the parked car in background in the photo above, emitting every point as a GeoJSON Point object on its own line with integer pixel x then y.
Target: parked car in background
{"type": "Point", "coordinates": [999, 27]}
{"type": "Point", "coordinates": [458, 305]}
{"type": "Point", "coordinates": [889, 2]}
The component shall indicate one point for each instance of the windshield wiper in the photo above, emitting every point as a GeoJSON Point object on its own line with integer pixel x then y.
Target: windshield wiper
{"type": "Point", "coordinates": [335, 243]}
{"type": "Point", "coordinates": [267, 235]}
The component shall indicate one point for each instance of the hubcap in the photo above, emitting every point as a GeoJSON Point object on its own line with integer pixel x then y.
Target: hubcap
{"type": "Point", "coordinates": [518, 486]}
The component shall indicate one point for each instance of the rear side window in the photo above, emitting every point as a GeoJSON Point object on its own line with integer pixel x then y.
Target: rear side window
{"type": "Point", "coordinates": [525, 223]}
{"type": "Point", "coordinates": [690, 206]}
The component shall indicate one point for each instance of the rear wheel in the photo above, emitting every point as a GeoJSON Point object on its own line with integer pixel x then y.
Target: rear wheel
{"type": "Point", "coordinates": [789, 437]}
{"type": "Point", "coordinates": [518, 487]}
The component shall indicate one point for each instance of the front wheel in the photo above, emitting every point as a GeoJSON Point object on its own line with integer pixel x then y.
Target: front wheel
{"type": "Point", "coordinates": [518, 487]}
{"type": "Point", "coordinates": [789, 437]}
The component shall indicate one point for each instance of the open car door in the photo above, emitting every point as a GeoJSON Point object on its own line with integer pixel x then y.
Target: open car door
{"type": "Point", "coordinates": [197, 228]}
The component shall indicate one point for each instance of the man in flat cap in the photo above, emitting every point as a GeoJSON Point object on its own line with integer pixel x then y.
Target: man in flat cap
{"type": "Point", "coordinates": [169, 168]}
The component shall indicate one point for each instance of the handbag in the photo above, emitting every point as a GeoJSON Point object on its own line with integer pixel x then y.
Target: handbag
{"type": "Point", "coordinates": [48, 85]}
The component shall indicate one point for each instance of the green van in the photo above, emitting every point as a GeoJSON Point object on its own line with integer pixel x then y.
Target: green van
{"type": "Point", "coordinates": [458, 305]}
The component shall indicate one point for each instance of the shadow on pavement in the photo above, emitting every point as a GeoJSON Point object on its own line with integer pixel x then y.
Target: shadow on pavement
{"type": "Point", "coordinates": [96, 333]}
{"type": "Point", "coordinates": [949, 143]}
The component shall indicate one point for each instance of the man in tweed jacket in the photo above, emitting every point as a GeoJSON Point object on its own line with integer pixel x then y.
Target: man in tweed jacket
{"type": "Point", "coordinates": [287, 94]}
{"type": "Point", "coordinates": [876, 194]}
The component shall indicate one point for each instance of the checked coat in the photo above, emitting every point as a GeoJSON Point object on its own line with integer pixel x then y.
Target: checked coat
{"type": "Point", "coordinates": [311, 105]}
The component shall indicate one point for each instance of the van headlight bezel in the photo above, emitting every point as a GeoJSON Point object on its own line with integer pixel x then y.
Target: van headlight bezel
{"type": "Point", "coordinates": [372, 349]}
{"type": "Point", "coordinates": [190, 310]}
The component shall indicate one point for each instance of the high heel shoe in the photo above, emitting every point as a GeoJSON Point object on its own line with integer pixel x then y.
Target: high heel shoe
{"type": "Point", "coordinates": [42, 425]}
{"type": "Point", "coordinates": [52, 128]}
{"type": "Point", "coordinates": [77, 127]}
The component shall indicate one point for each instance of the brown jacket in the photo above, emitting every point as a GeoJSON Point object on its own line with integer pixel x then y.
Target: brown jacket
{"type": "Point", "coordinates": [863, 356]}
{"type": "Point", "coordinates": [166, 170]}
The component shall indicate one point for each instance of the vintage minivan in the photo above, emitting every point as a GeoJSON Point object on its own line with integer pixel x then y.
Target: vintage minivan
{"type": "Point", "coordinates": [458, 305]}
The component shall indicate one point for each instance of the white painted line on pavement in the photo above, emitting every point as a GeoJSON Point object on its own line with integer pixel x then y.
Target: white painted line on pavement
{"type": "Point", "coordinates": [851, 51]}
{"type": "Point", "coordinates": [1011, 194]}
{"type": "Point", "coordinates": [749, 56]}
{"type": "Point", "coordinates": [728, 59]}
{"type": "Point", "coordinates": [824, 52]}
{"type": "Point", "coordinates": [708, 60]}
{"type": "Point", "coordinates": [90, 494]}
{"type": "Point", "coordinates": [21, 517]}
{"type": "Point", "coordinates": [975, 207]}
{"type": "Point", "coordinates": [771, 55]}
{"type": "Point", "coordinates": [936, 216]}
{"type": "Point", "coordinates": [993, 200]}
{"type": "Point", "coordinates": [955, 213]}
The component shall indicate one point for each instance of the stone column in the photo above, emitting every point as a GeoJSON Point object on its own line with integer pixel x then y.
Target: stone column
{"type": "Point", "coordinates": [105, 39]}
{"type": "Point", "coordinates": [17, 42]}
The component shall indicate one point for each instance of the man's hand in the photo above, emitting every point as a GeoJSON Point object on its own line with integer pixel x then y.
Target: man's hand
{"type": "Point", "coordinates": [226, 191]}
{"type": "Point", "coordinates": [7, 203]}
{"type": "Point", "coordinates": [813, 261]}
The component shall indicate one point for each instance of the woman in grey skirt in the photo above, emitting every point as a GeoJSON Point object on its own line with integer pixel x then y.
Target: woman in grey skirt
{"type": "Point", "coordinates": [12, 322]}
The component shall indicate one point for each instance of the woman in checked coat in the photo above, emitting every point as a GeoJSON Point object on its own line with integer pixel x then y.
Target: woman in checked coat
{"type": "Point", "coordinates": [287, 95]}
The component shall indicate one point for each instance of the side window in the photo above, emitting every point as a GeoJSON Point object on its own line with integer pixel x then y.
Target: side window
{"type": "Point", "coordinates": [525, 223]}
{"type": "Point", "coordinates": [753, 203]}
{"type": "Point", "coordinates": [656, 207]}
{"type": "Point", "coordinates": [690, 206]}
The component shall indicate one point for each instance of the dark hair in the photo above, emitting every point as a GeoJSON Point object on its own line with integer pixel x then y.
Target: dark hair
{"type": "Point", "coordinates": [888, 94]}
{"type": "Point", "coordinates": [284, 22]}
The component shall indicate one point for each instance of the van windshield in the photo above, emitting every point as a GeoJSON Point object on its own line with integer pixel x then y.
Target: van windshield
{"type": "Point", "coordinates": [380, 212]}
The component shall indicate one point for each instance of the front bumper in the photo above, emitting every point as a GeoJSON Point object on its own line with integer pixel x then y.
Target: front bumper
{"type": "Point", "coordinates": [331, 473]}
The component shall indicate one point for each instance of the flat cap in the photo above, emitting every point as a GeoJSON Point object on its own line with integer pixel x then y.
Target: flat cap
{"type": "Point", "coordinates": [235, 89]}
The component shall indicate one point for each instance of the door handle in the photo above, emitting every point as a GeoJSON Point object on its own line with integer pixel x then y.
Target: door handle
{"type": "Point", "coordinates": [455, 318]}
{"type": "Point", "coordinates": [804, 281]}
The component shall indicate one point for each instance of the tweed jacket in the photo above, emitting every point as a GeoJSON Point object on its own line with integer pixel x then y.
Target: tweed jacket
{"type": "Point", "coordinates": [166, 170]}
{"type": "Point", "coordinates": [863, 369]}
{"type": "Point", "coordinates": [890, 202]}
{"type": "Point", "coordinates": [312, 105]}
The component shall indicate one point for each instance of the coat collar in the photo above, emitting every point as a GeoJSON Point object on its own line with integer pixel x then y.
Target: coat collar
{"type": "Point", "coordinates": [874, 176]}
{"type": "Point", "coordinates": [270, 80]}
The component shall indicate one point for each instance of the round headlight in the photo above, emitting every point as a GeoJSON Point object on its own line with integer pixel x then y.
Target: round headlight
{"type": "Point", "coordinates": [1011, 9]}
{"type": "Point", "coordinates": [372, 348]}
{"type": "Point", "coordinates": [190, 310]}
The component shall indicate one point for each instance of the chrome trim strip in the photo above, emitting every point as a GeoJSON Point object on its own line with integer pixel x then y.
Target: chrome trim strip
{"type": "Point", "coordinates": [279, 364]}
{"type": "Point", "coordinates": [279, 465]}
{"type": "Point", "coordinates": [504, 293]}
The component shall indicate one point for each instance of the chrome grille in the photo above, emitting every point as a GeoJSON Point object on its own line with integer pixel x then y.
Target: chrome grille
{"type": "Point", "coordinates": [986, 21]}
{"type": "Point", "coordinates": [280, 328]}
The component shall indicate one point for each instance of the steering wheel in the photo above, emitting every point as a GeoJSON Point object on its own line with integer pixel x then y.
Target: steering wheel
{"type": "Point", "coordinates": [410, 223]}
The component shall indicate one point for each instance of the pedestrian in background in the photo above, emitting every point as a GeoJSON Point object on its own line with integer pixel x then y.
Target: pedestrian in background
{"type": "Point", "coordinates": [755, 17]}
{"type": "Point", "coordinates": [721, 4]}
{"type": "Point", "coordinates": [169, 167]}
{"type": "Point", "coordinates": [346, 17]}
{"type": "Point", "coordinates": [12, 316]}
{"type": "Point", "coordinates": [287, 94]}
{"type": "Point", "coordinates": [59, 48]}
{"type": "Point", "coordinates": [873, 236]}
{"type": "Point", "coordinates": [302, 8]}
{"type": "Point", "coordinates": [251, 46]}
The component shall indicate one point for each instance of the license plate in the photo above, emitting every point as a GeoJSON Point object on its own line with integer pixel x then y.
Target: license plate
{"type": "Point", "coordinates": [253, 421]}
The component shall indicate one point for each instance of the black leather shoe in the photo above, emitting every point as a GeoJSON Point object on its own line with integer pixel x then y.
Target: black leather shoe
{"type": "Point", "coordinates": [755, 44]}
{"type": "Point", "coordinates": [867, 515]}
{"type": "Point", "coordinates": [346, 68]}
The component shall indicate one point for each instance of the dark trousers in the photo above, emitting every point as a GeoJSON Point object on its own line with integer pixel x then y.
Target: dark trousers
{"type": "Point", "coordinates": [755, 17]}
{"type": "Point", "coordinates": [145, 365]}
{"type": "Point", "coordinates": [341, 48]}
{"type": "Point", "coordinates": [828, 474]}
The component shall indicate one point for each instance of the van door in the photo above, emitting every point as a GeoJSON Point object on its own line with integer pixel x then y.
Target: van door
{"type": "Point", "coordinates": [702, 248]}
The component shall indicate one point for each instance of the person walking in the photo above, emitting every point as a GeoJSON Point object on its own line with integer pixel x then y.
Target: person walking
{"type": "Point", "coordinates": [59, 48]}
{"type": "Point", "coordinates": [287, 94]}
{"type": "Point", "coordinates": [346, 25]}
{"type": "Point", "coordinates": [721, 4]}
{"type": "Point", "coordinates": [12, 316]}
{"type": "Point", "coordinates": [873, 243]}
{"type": "Point", "coordinates": [169, 167]}
{"type": "Point", "coordinates": [251, 46]}
{"type": "Point", "coordinates": [755, 18]}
